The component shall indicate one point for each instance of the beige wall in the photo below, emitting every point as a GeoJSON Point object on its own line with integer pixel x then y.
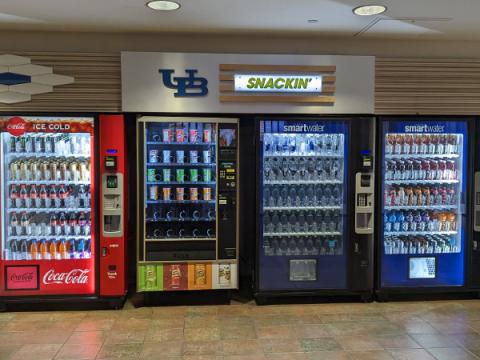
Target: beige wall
{"type": "Point", "coordinates": [112, 42]}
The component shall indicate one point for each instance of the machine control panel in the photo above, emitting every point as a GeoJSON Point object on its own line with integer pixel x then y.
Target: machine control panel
{"type": "Point", "coordinates": [364, 203]}
{"type": "Point", "coordinates": [112, 205]}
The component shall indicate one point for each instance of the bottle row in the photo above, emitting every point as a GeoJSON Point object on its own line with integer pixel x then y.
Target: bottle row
{"type": "Point", "coordinates": [426, 169]}
{"type": "Point", "coordinates": [52, 196]}
{"type": "Point", "coordinates": [312, 169]}
{"type": "Point", "coordinates": [159, 214]}
{"type": "Point", "coordinates": [303, 144]}
{"type": "Point", "coordinates": [167, 157]}
{"type": "Point", "coordinates": [43, 224]}
{"type": "Point", "coordinates": [48, 169]}
{"type": "Point", "coordinates": [421, 196]}
{"type": "Point", "coordinates": [180, 175]}
{"type": "Point", "coordinates": [430, 244]}
{"type": "Point", "coordinates": [419, 221]}
{"type": "Point", "coordinates": [290, 246]}
{"type": "Point", "coordinates": [182, 133]}
{"type": "Point", "coordinates": [301, 195]}
{"type": "Point", "coordinates": [180, 194]}
{"type": "Point", "coordinates": [48, 249]}
{"type": "Point", "coordinates": [180, 232]}
{"type": "Point", "coordinates": [302, 221]}
{"type": "Point", "coordinates": [65, 144]}
{"type": "Point", "coordinates": [422, 144]}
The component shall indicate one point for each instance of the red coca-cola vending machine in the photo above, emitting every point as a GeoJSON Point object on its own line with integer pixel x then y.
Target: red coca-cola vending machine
{"type": "Point", "coordinates": [62, 203]}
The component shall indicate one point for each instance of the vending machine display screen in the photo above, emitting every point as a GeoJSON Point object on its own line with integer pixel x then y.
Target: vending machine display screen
{"type": "Point", "coordinates": [422, 268]}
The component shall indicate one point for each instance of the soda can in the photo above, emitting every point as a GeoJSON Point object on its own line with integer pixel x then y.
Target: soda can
{"type": "Point", "coordinates": [151, 175]}
{"type": "Point", "coordinates": [206, 157]}
{"type": "Point", "coordinates": [167, 135]}
{"type": "Point", "coordinates": [180, 175]}
{"type": "Point", "coordinates": [153, 156]}
{"type": "Point", "coordinates": [207, 175]}
{"type": "Point", "coordinates": [167, 175]}
{"type": "Point", "coordinates": [180, 194]}
{"type": "Point", "coordinates": [193, 136]}
{"type": "Point", "coordinates": [193, 175]}
{"type": "Point", "coordinates": [166, 156]}
{"type": "Point", "coordinates": [193, 156]}
{"type": "Point", "coordinates": [180, 155]}
{"type": "Point", "coordinates": [193, 194]}
{"type": "Point", "coordinates": [167, 193]}
{"type": "Point", "coordinates": [207, 194]}
{"type": "Point", "coordinates": [207, 136]}
{"type": "Point", "coordinates": [180, 135]}
{"type": "Point", "coordinates": [153, 192]}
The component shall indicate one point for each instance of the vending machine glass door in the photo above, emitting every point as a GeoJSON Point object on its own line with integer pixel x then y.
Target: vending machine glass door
{"type": "Point", "coordinates": [423, 204]}
{"type": "Point", "coordinates": [303, 205]}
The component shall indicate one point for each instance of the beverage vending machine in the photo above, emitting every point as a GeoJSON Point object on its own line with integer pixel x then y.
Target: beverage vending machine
{"type": "Point", "coordinates": [315, 207]}
{"type": "Point", "coordinates": [62, 209]}
{"type": "Point", "coordinates": [425, 199]}
{"type": "Point", "coordinates": [188, 203]}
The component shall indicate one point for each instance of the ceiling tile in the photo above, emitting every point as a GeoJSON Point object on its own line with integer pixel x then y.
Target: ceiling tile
{"type": "Point", "coordinates": [10, 97]}
{"type": "Point", "coordinates": [52, 79]}
{"type": "Point", "coordinates": [30, 69]}
{"type": "Point", "coordinates": [31, 88]}
{"type": "Point", "coordinates": [12, 60]}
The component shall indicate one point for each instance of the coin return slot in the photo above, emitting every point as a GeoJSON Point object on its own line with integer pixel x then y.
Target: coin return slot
{"type": "Point", "coordinates": [111, 223]}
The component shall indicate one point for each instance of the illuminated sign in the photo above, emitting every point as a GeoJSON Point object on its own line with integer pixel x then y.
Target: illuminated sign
{"type": "Point", "coordinates": [281, 83]}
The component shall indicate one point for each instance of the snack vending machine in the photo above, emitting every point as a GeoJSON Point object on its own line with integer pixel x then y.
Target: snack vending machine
{"type": "Point", "coordinates": [62, 209]}
{"type": "Point", "coordinates": [424, 184]}
{"type": "Point", "coordinates": [315, 207]}
{"type": "Point", "coordinates": [188, 203]}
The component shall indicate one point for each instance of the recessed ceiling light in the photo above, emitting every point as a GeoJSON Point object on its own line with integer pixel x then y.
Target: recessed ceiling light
{"type": "Point", "coordinates": [312, 21]}
{"type": "Point", "coordinates": [163, 5]}
{"type": "Point", "coordinates": [369, 10]}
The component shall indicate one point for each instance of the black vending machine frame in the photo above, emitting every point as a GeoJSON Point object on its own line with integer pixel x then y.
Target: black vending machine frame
{"type": "Point", "coordinates": [470, 257]}
{"type": "Point", "coordinates": [360, 256]}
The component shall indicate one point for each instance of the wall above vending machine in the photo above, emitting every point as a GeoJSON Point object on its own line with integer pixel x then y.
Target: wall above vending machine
{"type": "Point", "coordinates": [225, 83]}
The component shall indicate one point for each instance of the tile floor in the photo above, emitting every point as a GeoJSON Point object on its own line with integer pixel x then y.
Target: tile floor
{"type": "Point", "coordinates": [395, 330]}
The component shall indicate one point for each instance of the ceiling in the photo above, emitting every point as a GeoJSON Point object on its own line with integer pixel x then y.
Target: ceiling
{"type": "Point", "coordinates": [432, 19]}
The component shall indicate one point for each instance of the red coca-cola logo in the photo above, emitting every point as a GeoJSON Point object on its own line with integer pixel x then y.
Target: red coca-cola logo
{"type": "Point", "coordinates": [75, 276]}
{"type": "Point", "coordinates": [16, 126]}
{"type": "Point", "coordinates": [24, 277]}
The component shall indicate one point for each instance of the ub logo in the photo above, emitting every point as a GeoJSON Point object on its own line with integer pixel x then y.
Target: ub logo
{"type": "Point", "coordinates": [186, 86]}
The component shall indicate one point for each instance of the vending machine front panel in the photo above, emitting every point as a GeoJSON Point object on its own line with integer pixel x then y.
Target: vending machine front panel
{"type": "Point", "coordinates": [303, 205]}
{"type": "Point", "coordinates": [423, 222]}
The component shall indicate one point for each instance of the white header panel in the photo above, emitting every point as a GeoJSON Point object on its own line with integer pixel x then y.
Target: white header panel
{"type": "Point", "coordinates": [146, 89]}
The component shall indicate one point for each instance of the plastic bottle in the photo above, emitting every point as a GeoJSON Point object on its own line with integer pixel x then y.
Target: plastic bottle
{"type": "Point", "coordinates": [62, 249]}
{"type": "Point", "coordinates": [34, 254]}
{"type": "Point", "coordinates": [14, 250]}
{"type": "Point", "coordinates": [23, 250]}
{"type": "Point", "coordinates": [81, 249]}
{"type": "Point", "coordinates": [52, 249]}
{"type": "Point", "coordinates": [33, 196]}
{"type": "Point", "coordinates": [44, 255]}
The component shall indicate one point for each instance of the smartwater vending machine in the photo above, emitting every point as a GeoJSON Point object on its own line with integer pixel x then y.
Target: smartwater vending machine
{"type": "Point", "coordinates": [315, 207]}
{"type": "Point", "coordinates": [424, 202]}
